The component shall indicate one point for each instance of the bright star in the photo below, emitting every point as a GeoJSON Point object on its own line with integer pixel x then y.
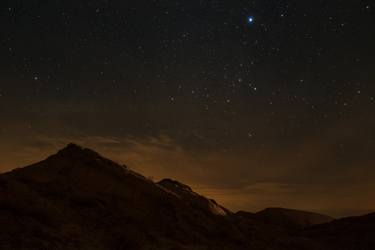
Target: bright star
{"type": "Point", "coordinates": [250, 19]}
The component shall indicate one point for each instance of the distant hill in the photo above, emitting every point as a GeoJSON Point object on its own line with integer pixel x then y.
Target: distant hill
{"type": "Point", "coordinates": [291, 218]}
{"type": "Point", "coordinates": [76, 199]}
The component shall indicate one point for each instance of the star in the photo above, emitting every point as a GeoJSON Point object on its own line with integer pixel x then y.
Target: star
{"type": "Point", "coordinates": [250, 19]}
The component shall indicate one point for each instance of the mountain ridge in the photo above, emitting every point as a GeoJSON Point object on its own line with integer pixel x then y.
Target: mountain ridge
{"type": "Point", "coordinates": [77, 199]}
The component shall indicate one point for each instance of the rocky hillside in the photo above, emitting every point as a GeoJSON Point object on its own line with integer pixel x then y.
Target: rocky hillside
{"type": "Point", "coordinates": [76, 199]}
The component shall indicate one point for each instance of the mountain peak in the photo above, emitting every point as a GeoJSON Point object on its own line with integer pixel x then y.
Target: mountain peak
{"type": "Point", "coordinates": [73, 146]}
{"type": "Point", "coordinates": [71, 165]}
{"type": "Point", "coordinates": [74, 150]}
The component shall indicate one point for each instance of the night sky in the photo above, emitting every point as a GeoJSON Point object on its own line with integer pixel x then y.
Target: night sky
{"type": "Point", "coordinates": [254, 103]}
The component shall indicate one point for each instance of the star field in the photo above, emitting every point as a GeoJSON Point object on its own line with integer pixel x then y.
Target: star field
{"type": "Point", "coordinates": [286, 83]}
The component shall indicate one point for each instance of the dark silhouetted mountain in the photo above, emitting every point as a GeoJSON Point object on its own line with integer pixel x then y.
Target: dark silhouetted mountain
{"type": "Point", "coordinates": [77, 199]}
{"type": "Point", "coordinates": [291, 218]}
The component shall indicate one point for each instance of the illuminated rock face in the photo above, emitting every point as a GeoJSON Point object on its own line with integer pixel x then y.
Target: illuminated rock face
{"type": "Point", "coordinates": [193, 199]}
{"type": "Point", "coordinates": [77, 199]}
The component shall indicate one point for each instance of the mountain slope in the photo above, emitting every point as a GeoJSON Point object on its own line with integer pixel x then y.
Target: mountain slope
{"type": "Point", "coordinates": [77, 194]}
{"type": "Point", "coordinates": [76, 199]}
{"type": "Point", "coordinates": [195, 200]}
